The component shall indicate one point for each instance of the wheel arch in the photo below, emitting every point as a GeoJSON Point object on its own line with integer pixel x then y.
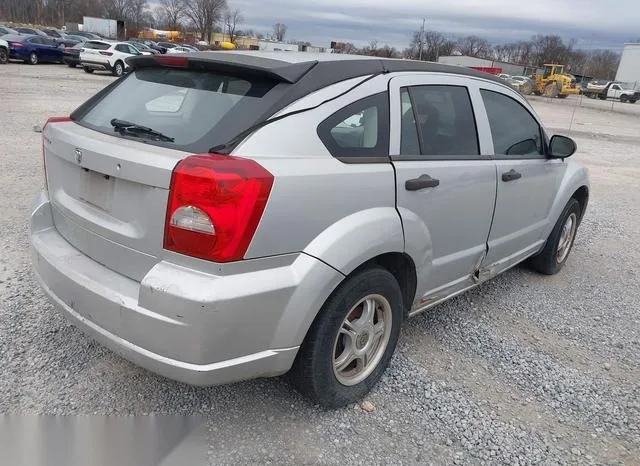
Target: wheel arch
{"type": "Point", "coordinates": [582, 196]}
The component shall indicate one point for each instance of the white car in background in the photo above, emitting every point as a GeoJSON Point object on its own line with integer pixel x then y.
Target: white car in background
{"type": "Point", "coordinates": [105, 55]}
{"type": "Point", "coordinates": [4, 52]}
{"type": "Point", "coordinates": [180, 49]}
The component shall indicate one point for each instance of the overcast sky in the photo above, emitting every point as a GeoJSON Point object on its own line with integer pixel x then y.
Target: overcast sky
{"type": "Point", "coordinates": [595, 23]}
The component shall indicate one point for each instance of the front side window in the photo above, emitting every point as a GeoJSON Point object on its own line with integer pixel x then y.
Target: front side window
{"type": "Point", "coordinates": [360, 129]}
{"type": "Point", "coordinates": [515, 131]}
{"type": "Point", "coordinates": [444, 120]}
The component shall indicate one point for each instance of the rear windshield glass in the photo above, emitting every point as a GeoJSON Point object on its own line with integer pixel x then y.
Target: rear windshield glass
{"type": "Point", "coordinates": [197, 109]}
{"type": "Point", "coordinates": [96, 45]}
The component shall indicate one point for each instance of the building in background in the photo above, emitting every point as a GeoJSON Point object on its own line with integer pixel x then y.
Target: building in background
{"type": "Point", "coordinates": [469, 62]}
{"type": "Point", "coordinates": [629, 67]}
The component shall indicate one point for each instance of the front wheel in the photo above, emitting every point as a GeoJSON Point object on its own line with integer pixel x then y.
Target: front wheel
{"type": "Point", "coordinates": [33, 58]}
{"type": "Point", "coordinates": [559, 243]}
{"type": "Point", "coordinates": [4, 56]}
{"type": "Point", "coordinates": [624, 98]}
{"type": "Point", "coordinates": [87, 69]}
{"type": "Point", "coordinates": [351, 341]}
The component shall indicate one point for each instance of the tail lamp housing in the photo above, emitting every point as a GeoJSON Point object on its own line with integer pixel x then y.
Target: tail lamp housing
{"type": "Point", "coordinates": [50, 121]}
{"type": "Point", "coordinates": [214, 207]}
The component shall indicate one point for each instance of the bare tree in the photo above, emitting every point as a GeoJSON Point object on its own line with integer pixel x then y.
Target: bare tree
{"type": "Point", "coordinates": [231, 21]}
{"type": "Point", "coordinates": [279, 31]}
{"type": "Point", "coordinates": [205, 14]}
{"type": "Point", "coordinates": [474, 46]}
{"type": "Point", "coordinates": [434, 44]}
{"type": "Point", "coordinates": [173, 12]}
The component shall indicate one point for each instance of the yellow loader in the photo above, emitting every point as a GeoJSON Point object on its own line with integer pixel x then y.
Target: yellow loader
{"type": "Point", "coordinates": [553, 82]}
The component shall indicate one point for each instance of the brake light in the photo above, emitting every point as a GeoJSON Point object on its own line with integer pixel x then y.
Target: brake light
{"type": "Point", "coordinates": [172, 61]}
{"type": "Point", "coordinates": [108, 54]}
{"type": "Point", "coordinates": [16, 45]}
{"type": "Point", "coordinates": [44, 163]}
{"type": "Point", "coordinates": [215, 205]}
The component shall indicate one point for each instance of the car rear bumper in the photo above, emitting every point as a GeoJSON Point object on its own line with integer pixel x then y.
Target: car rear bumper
{"type": "Point", "coordinates": [189, 326]}
{"type": "Point", "coordinates": [96, 65]}
{"type": "Point", "coordinates": [70, 60]}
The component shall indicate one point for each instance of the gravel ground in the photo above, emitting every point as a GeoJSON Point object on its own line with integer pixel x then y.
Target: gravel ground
{"type": "Point", "coordinates": [525, 369]}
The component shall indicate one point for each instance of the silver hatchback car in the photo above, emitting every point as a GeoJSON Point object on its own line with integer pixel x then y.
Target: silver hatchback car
{"type": "Point", "coordinates": [222, 216]}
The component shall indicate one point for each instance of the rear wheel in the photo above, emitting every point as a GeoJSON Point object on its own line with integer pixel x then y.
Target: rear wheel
{"type": "Point", "coordinates": [558, 246]}
{"type": "Point", "coordinates": [551, 90]}
{"type": "Point", "coordinates": [71, 65]}
{"type": "Point", "coordinates": [33, 58]}
{"type": "Point", "coordinates": [87, 69]}
{"type": "Point", "coordinates": [633, 101]}
{"type": "Point", "coordinates": [351, 341]}
{"type": "Point", "coordinates": [527, 88]}
{"type": "Point", "coordinates": [118, 69]}
{"type": "Point", "coordinates": [624, 98]}
{"type": "Point", "coordinates": [4, 56]}
{"type": "Point", "coordinates": [562, 96]}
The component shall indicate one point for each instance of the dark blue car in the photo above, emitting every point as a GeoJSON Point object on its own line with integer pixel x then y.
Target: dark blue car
{"type": "Point", "coordinates": [33, 49]}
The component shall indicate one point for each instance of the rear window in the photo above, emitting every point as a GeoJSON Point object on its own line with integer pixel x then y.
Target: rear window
{"type": "Point", "coordinates": [96, 45]}
{"type": "Point", "coordinates": [198, 109]}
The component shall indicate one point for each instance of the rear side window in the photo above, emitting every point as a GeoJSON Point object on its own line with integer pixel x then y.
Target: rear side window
{"type": "Point", "coordinates": [198, 109]}
{"type": "Point", "coordinates": [360, 129]}
{"type": "Point", "coordinates": [96, 45]}
{"type": "Point", "coordinates": [442, 119]}
{"type": "Point", "coordinates": [515, 131]}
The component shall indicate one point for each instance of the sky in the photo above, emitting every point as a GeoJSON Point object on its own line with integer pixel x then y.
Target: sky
{"type": "Point", "coordinates": [594, 23]}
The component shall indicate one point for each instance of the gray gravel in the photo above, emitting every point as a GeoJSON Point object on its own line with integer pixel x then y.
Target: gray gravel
{"type": "Point", "coordinates": [523, 370]}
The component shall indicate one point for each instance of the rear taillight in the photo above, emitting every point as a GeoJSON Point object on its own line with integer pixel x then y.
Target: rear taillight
{"type": "Point", "coordinates": [215, 204]}
{"type": "Point", "coordinates": [172, 61]}
{"type": "Point", "coordinates": [16, 45]}
{"type": "Point", "coordinates": [50, 121]}
{"type": "Point", "coordinates": [108, 54]}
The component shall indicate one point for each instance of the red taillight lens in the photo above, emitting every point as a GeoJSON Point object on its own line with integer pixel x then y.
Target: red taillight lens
{"type": "Point", "coordinates": [16, 45]}
{"type": "Point", "coordinates": [108, 54]}
{"type": "Point", "coordinates": [49, 121]}
{"type": "Point", "coordinates": [172, 61]}
{"type": "Point", "coordinates": [215, 204]}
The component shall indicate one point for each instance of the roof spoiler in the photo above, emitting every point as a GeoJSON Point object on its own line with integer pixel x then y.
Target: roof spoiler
{"type": "Point", "coordinates": [228, 63]}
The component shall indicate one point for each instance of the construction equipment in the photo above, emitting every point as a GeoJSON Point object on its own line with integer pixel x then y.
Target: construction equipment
{"type": "Point", "coordinates": [553, 82]}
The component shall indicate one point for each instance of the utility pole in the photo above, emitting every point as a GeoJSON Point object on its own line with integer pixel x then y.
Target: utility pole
{"type": "Point", "coordinates": [420, 41]}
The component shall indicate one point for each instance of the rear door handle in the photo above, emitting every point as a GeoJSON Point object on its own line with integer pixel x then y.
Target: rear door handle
{"type": "Point", "coordinates": [511, 175]}
{"type": "Point", "coordinates": [424, 181]}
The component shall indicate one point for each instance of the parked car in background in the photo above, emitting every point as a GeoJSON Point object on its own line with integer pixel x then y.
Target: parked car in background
{"type": "Point", "coordinates": [504, 76]}
{"type": "Point", "coordinates": [4, 30]}
{"type": "Point", "coordinates": [140, 46]}
{"type": "Point", "coordinates": [53, 33]}
{"type": "Point", "coordinates": [149, 43]}
{"type": "Point", "coordinates": [167, 45]}
{"type": "Point", "coordinates": [190, 47]}
{"type": "Point", "coordinates": [105, 55]}
{"type": "Point", "coordinates": [404, 184]}
{"type": "Point", "coordinates": [4, 52]}
{"type": "Point", "coordinates": [613, 90]}
{"type": "Point", "coordinates": [88, 35]}
{"type": "Point", "coordinates": [179, 49]}
{"type": "Point", "coordinates": [33, 49]}
{"type": "Point", "coordinates": [71, 55]}
{"type": "Point", "coordinates": [31, 31]}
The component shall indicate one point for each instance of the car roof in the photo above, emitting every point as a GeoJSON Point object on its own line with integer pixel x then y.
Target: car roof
{"type": "Point", "coordinates": [326, 68]}
{"type": "Point", "coordinates": [18, 37]}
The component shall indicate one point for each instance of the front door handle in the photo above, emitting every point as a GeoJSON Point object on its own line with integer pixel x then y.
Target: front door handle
{"type": "Point", "coordinates": [424, 181]}
{"type": "Point", "coordinates": [511, 175]}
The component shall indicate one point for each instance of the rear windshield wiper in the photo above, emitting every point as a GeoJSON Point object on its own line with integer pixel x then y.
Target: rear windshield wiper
{"type": "Point", "coordinates": [124, 126]}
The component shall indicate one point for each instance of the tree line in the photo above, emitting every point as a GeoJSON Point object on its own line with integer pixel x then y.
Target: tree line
{"type": "Point", "coordinates": [532, 53]}
{"type": "Point", "coordinates": [208, 16]}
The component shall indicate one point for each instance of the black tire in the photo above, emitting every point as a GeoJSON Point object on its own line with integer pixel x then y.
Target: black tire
{"type": "Point", "coordinates": [313, 374]}
{"type": "Point", "coordinates": [71, 65]}
{"type": "Point", "coordinates": [624, 98]}
{"type": "Point", "coordinates": [4, 56]}
{"type": "Point", "coordinates": [563, 96]}
{"type": "Point", "coordinates": [87, 69]}
{"type": "Point", "coordinates": [547, 261]}
{"type": "Point", "coordinates": [118, 69]}
{"type": "Point", "coordinates": [33, 58]}
{"type": "Point", "coordinates": [632, 101]}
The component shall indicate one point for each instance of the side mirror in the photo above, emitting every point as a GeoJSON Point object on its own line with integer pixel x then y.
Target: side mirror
{"type": "Point", "coordinates": [561, 147]}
